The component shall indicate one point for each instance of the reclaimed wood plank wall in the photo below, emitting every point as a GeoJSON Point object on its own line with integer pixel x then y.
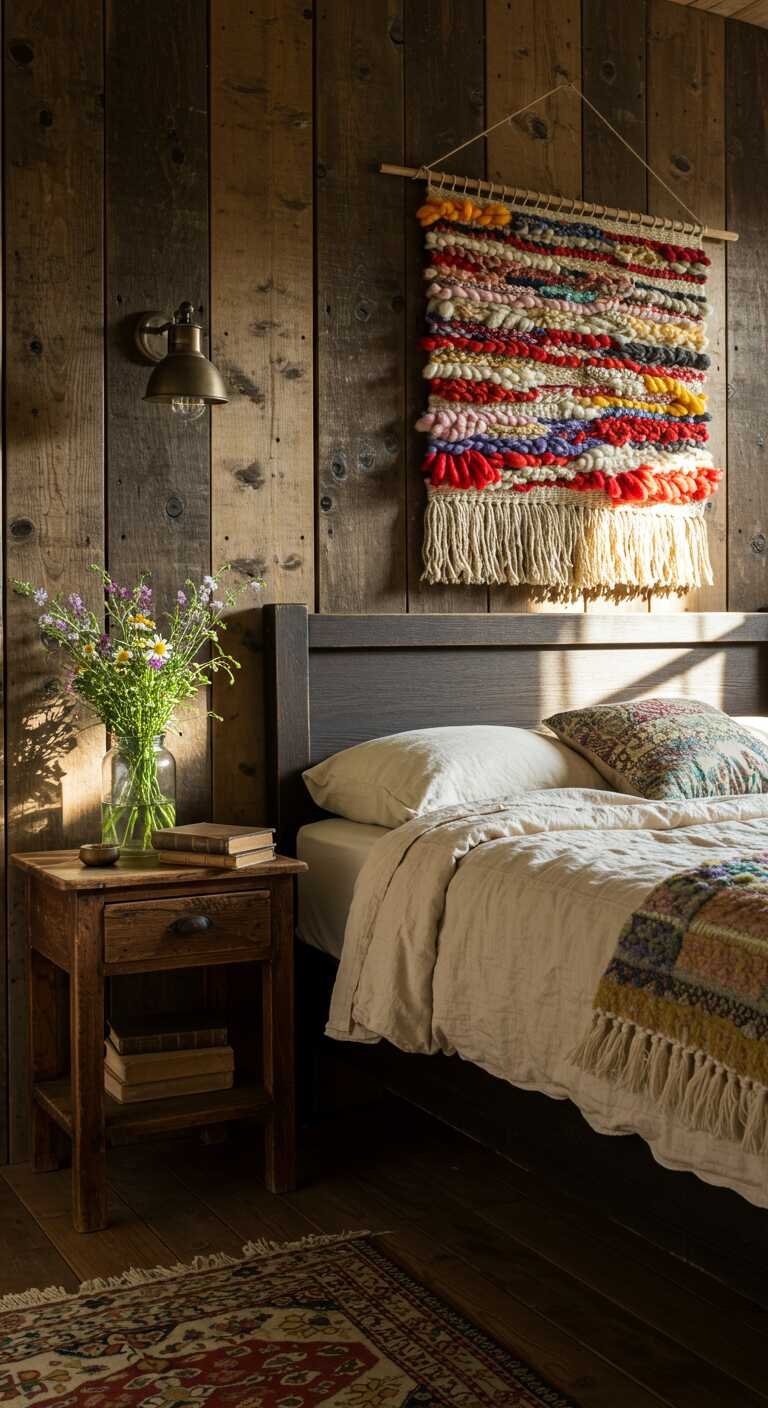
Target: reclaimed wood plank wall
{"type": "Point", "coordinates": [225, 151]}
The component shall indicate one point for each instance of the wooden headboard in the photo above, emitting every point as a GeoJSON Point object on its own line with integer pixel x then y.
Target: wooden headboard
{"type": "Point", "coordinates": [332, 681]}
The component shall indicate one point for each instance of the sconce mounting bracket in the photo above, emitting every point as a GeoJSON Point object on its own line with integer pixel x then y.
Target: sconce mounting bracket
{"type": "Point", "coordinates": [151, 337]}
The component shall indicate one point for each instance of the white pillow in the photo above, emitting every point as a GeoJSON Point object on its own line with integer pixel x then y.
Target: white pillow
{"type": "Point", "coordinates": [390, 780]}
{"type": "Point", "coordinates": [756, 723]}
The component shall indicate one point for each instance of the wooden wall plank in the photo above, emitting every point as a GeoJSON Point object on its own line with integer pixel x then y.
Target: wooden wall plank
{"type": "Point", "coordinates": [686, 145]}
{"type": "Point", "coordinates": [532, 46]}
{"type": "Point", "coordinates": [158, 470]}
{"type": "Point", "coordinates": [360, 307]}
{"type": "Point", "coordinates": [613, 78]}
{"type": "Point", "coordinates": [54, 423]}
{"type": "Point", "coordinates": [441, 37]}
{"type": "Point", "coordinates": [158, 477]}
{"type": "Point", "coordinates": [747, 177]}
{"type": "Point", "coordinates": [262, 323]}
{"type": "Point", "coordinates": [4, 1052]}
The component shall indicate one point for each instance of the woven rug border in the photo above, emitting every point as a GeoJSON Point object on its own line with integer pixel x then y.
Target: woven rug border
{"type": "Point", "coordinates": [145, 1276]}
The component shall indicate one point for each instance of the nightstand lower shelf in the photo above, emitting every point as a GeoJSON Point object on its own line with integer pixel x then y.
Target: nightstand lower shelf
{"type": "Point", "coordinates": [126, 1122]}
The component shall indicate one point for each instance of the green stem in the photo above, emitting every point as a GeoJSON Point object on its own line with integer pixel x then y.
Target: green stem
{"type": "Point", "coordinates": [141, 807]}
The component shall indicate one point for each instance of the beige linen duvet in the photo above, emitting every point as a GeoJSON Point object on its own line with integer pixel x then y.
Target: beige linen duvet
{"type": "Point", "coordinates": [484, 930]}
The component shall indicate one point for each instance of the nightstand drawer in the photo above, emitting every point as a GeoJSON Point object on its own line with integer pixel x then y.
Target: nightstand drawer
{"type": "Point", "coordinates": [217, 928]}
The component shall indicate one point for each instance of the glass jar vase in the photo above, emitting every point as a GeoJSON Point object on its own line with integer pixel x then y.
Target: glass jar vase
{"type": "Point", "coordinates": [138, 794]}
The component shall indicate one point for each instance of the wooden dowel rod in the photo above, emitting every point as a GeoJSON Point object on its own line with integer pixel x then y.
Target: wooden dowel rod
{"type": "Point", "coordinates": [551, 205]}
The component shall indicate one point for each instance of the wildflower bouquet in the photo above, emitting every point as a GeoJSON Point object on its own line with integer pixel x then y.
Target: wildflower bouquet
{"type": "Point", "coordinates": [134, 676]}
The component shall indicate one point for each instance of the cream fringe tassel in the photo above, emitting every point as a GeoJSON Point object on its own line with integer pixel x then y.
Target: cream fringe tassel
{"type": "Point", "coordinates": [682, 1081]}
{"type": "Point", "coordinates": [138, 1276]}
{"type": "Point", "coordinates": [561, 548]}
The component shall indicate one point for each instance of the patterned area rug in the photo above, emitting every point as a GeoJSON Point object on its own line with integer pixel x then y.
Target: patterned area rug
{"type": "Point", "coordinates": [329, 1321]}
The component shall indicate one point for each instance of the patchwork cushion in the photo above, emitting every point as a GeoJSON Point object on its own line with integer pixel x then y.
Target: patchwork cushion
{"type": "Point", "coordinates": [667, 749]}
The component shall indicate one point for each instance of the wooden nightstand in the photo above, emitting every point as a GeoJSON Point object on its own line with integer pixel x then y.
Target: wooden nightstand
{"type": "Point", "coordinates": [141, 918]}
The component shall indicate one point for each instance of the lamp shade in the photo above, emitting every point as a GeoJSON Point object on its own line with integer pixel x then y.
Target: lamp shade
{"type": "Point", "coordinates": [186, 371]}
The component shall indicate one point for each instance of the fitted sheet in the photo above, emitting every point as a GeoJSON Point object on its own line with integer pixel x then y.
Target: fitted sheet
{"type": "Point", "coordinates": [335, 851]}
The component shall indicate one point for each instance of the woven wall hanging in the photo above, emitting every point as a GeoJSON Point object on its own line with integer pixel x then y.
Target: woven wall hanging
{"type": "Point", "coordinates": [567, 419]}
{"type": "Point", "coordinates": [567, 414]}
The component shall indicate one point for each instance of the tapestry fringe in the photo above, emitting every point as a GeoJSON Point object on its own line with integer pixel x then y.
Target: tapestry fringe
{"type": "Point", "coordinates": [686, 1083]}
{"type": "Point", "coordinates": [141, 1276]}
{"type": "Point", "coordinates": [563, 549]}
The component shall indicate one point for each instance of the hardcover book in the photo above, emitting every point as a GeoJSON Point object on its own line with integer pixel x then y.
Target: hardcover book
{"type": "Point", "coordinates": [127, 1094]}
{"type": "Point", "coordinates": [213, 837]}
{"type": "Point", "coordinates": [179, 1032]}
{"type": "Point", "coordinates": [167, 1065]}
{"type": "Point", "coordinates": [218, 862]}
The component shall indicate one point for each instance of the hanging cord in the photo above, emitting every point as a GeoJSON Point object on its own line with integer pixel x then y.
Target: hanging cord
{"type": "Point", "coordinates": [567, 83]}
{"type": "Point", "coordinates": [509, 118]}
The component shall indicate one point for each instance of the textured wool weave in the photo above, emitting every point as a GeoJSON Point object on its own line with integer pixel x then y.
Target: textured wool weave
{"type": "Point", "coordinates": [680, 1012]}
{"type": "Point", "coordinates": [567, 419]}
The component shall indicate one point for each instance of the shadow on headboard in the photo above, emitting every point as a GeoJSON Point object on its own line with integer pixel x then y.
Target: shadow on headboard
{"type": "Point", "coordinates": [332, 681]}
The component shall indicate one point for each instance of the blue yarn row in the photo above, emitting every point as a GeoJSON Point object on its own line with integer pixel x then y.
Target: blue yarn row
{"type": "Point", "coordinates": [541, 445]}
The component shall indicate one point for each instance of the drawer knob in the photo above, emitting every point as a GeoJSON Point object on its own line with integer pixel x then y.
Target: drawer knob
{"type": "Point", "coordinates": [191, 924]}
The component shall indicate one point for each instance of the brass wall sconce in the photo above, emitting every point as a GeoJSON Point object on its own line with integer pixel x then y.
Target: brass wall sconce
{"type": "Point", "coordinates": [184, 378]}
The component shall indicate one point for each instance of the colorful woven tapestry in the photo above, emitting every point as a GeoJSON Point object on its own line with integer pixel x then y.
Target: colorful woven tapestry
{"type": "Point", "coordinates": [681, 1012]}
{"type": "Point", "coordinates": [567, 419]}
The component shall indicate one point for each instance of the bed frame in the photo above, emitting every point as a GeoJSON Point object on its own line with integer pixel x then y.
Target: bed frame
{"type": "Point", "coordinates": [331, 681]}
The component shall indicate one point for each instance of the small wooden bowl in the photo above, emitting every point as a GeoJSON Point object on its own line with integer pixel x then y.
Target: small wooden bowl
{"type": "Point", "coordinates": [99, 853]}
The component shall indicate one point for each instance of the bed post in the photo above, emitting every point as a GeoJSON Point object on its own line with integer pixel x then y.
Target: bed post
{"type": "Point", "coordinates": [286, 700]}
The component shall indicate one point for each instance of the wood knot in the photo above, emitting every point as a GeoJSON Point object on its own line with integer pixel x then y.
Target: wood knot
{"type": "Point", "coordinates": [21, 52]}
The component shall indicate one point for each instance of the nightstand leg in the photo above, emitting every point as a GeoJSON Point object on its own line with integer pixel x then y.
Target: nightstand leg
{"type": "Point", "coordinates": [89, 1169]}
{"type": "Point", "coordinates": [279, 1050]}
{"type": "Point", "coordinates": [45, 1061]}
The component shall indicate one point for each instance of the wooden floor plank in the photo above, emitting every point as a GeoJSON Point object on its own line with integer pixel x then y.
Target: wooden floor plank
{"type": "Point", "coordinates": [483, 1177]}
{"type": "Point", "coordinates": [144, 1180]}
{"type": "Point", "coordinates": [603, 1261]}
{"type": "Point", "coordinates": [126, 1242]}
{"type": "Point", "coordinates": [338, 1204]}
{"type": "Point", "coordinates": [654, 1359]}
{"type": "Point", "coordinates": [27, 1258]}
{"type": "Point", "coordinates": [604, 1316]}
{"type": "Point", "coordinates": [228, 1180]}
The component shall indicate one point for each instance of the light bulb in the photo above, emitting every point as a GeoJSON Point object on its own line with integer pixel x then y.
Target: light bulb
{"type": "Point", "coordinates": [188, 407]}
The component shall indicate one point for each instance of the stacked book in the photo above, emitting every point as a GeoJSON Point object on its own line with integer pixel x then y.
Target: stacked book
{"type": "Point", "coordinates": [180, 1056]}
{"type": "Point", "coordinates": [211, 844]}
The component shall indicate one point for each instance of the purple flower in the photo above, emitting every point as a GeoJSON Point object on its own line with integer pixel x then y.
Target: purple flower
{"type": "Point", "coordinates": [59, 625]}
{"type": "Point", "coordinates": [144, 597]}
{"type": "Point", "coordinates": [217, 605]}
{"type": "Point", "coordinates": [124, 593]}
{"type": "Point", "coordinates": [41, 596]}
{"type": "Point", "coordinates": [210, 583]}
{"type": "Point", "coordinates": [103, 645]}
{"type": "Point", "coordinates": [77, 604]}
{"type": "Point", "coordinates": [156, 662]}
{"type": "Point", "coordinates": [181, 598]}
{"type": "Point", "coordinates": [46, 620]}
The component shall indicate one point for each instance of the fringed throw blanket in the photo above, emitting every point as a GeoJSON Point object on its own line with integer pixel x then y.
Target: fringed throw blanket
{"type": "Point", "coordinates": [567, 419]}
{"type": "Point", "coordinates": [682, 1009]}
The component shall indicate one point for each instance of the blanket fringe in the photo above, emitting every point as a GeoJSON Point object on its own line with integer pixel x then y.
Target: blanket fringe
{"type": "Point", "coordinates": [699, 1091]}
{"type": "Point", "coordinates": [141, 1276]}
{"type": "Point", "coordinates": [562, 548]}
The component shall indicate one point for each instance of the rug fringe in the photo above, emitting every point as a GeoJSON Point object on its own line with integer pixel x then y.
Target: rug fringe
{"type": "Point", "coordinates": [562, 548]}
{"type": "Point", "coordinates": [685, 1082]}
{"type": "Point", "coordinates": [144, 1276]}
